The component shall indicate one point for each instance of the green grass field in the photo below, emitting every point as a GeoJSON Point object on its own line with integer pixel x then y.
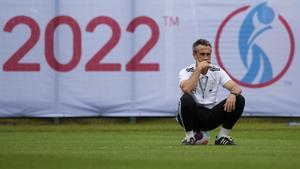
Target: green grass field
{"type": "Point", "coordinates": [149, 144]}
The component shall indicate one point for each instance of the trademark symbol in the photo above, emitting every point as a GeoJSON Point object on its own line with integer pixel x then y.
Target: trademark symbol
{"type": "Point", "coordinates": [171, 21]}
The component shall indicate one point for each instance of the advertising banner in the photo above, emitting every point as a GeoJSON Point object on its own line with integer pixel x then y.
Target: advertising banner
{"type": "Point", "coordinates": [119, 58]}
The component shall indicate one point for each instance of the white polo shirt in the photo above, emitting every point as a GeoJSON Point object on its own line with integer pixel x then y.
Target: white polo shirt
{"type": "Point", "coordinates": [207, 87]}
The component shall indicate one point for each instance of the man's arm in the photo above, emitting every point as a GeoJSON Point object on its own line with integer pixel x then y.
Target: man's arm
{"type": "Point", "coordinates": [233, 87]}
{"type": "Point", "coordinates": [187, 86]}
{"type": "Point", "coordinates": [235, 90]}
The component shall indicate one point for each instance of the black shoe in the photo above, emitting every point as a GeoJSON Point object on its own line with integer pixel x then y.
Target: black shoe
{"type": "Point", "coordinates": [189, 141]}
{"type": "Point", "coordinates": [224, 141]}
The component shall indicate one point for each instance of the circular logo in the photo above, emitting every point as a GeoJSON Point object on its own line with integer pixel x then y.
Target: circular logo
{"type": "Point", "coordinates": [255, 47]}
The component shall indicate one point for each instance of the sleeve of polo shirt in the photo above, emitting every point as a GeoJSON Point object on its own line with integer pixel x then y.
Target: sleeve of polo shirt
{"type": "Point", "coordinates": [184, 75]}
{"type": "Point", "coordinates": [224, 78]}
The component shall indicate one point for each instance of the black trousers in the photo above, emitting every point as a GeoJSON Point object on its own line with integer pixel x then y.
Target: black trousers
{"type": "Point", "coordinates": [194, 117]}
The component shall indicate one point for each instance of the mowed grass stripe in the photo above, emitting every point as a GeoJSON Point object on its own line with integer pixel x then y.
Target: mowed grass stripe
{"type": "Point", "coordinates": [145, 145]}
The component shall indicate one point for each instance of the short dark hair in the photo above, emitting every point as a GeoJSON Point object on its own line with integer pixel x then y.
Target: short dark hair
{"type": "Point", "coordinates": [201, 42]}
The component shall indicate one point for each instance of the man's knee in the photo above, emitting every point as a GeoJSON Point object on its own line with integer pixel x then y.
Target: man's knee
{"type": "Point", "coordinates": [187, 100]}
{"type": "Point", "coordinates": [240, 100]}
{"type": "Point", "coordinates": [240, 104]}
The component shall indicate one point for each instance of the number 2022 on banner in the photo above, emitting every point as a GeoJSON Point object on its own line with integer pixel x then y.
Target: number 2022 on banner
{"type": "Point", "coordinates": [94, 64]}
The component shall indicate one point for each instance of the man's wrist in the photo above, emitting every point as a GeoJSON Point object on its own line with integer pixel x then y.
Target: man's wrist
{"type": "Point", "coordinates": [236, 94]}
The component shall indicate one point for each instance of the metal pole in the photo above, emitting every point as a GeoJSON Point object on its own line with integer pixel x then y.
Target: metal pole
{"type": "Point", "coordinates": [56, 120]}
{"type": "Point", "coordinates": [132, 120]}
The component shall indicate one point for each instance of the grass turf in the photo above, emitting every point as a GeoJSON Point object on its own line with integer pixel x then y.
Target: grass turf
{"type": "Point", "coordinates": [154, 144]}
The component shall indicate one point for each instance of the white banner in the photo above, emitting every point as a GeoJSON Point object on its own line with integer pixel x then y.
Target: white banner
{"type": "Point", "coordinates": [71, 58]}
